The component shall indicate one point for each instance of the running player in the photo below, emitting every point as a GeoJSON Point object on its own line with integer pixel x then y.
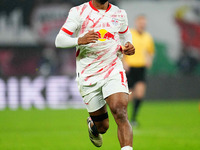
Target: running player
{"type": "Point", "coordinates": [136, 65]}
{"type": "Point", "coordinates": [100, 29]}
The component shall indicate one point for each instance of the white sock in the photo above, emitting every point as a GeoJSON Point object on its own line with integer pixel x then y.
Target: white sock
{"type": "Point", "coordinates": [127, 148]}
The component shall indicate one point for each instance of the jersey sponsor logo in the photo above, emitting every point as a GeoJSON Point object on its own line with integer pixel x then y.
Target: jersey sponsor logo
{"type": "Point", "coordinates": [105, 35]}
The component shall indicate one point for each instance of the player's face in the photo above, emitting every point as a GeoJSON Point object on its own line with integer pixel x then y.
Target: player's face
{"type": "Point", "coordinates": [102, 1]}
{"type": "Point", "coordinates": [141, 24]}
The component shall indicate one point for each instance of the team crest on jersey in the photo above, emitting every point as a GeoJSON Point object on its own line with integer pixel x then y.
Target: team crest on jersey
{"type": "Point", "coordinates": [114, 21]}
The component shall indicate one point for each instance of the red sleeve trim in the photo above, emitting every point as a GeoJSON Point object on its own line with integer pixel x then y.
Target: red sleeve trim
{"type": "Point", "coordinates": [124, 31]}
{"type": "Point", "coordinates": [67, 31]}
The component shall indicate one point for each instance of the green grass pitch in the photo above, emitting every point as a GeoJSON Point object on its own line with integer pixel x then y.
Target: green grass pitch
{"type": "Point", "coordinates": [171, 125]}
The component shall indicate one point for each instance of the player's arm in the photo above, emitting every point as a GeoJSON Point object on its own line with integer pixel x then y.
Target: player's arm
{"type": "Point", "coordinates": [126, 37]}
{"type": "Point", "coordinates": [64, 38]}
{"type": "Point", "coordinates": [65, 41]}
{"type": "Point", "coordinates": [127, 46]}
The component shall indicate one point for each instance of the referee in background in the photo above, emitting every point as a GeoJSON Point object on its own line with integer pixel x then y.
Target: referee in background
{"type": "Point", "coordinates": [136, 65]}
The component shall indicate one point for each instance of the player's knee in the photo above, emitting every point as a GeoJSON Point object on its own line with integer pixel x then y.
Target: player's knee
{"type": "Point", "coordinates": [120, 112]}
{"type": "Point", "coordinates": [121, 115]}
{"type": "Point", "coordinates": [103, 127]}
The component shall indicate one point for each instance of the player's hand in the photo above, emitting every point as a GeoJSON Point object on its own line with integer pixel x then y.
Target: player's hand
{"type": "Point", "coordinates": [128, 49]}
{"type": "Point", "coordinates": [90, 37]}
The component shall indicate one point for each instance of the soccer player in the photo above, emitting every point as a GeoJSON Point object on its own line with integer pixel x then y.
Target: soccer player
{"type": "Point", "coordinates": [100, 29]}
{"type": "Point", "coordinates": [136, 65]}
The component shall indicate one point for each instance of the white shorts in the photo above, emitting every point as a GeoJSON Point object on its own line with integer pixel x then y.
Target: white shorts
{"type": "Point", "coordinates": [103, 89]}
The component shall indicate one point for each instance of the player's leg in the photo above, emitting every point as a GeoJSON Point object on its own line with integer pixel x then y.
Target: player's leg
{"type": "Point", "coordinates": [131, 95]}
{"type": "Point", "coordinates": [118, 105]}
{"type": "Point", "coordinates": [100, 120]}
{"type": "Point", "coordinates": [98, 124]}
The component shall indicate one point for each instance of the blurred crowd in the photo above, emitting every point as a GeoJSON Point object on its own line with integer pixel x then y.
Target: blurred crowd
{"type": "Point", "coordinates": [32, 60]}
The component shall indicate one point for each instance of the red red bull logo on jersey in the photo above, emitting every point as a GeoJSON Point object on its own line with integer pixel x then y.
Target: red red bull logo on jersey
{"type": "Point", "coordinates": [105, 35]}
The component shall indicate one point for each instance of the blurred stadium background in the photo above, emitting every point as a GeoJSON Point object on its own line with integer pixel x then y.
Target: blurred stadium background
{"type": "Point", "coordinates": [34, 75]}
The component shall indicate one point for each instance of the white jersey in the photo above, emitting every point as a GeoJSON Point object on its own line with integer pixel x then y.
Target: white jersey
{"type": "Point", "coordinates": [100, 60]}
